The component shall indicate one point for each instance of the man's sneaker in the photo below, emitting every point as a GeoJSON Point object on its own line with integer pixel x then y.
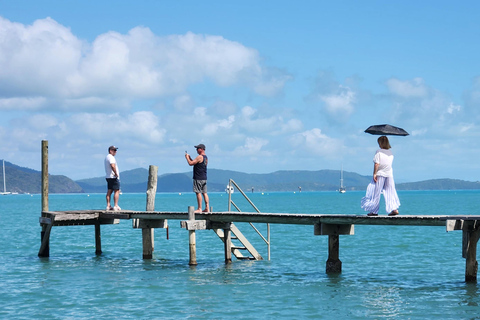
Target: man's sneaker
{"type": "Point", "coordinates": [117, 208]}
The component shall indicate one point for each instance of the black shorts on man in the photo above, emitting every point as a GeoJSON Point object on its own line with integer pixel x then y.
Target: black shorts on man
{"type": "Point", "coordinates": [113, 183]}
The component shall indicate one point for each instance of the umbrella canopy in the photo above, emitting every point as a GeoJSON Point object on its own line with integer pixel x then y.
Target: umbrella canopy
{"type": "Point", "coordinates": [386, 129]}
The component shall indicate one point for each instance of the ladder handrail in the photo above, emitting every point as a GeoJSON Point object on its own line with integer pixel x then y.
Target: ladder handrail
{"type": "Point", "coordinates": [230, 202]}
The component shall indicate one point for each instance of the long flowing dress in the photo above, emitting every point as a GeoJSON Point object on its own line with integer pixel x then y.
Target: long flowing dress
{"type": "Point", "coordinates": [385, 184]}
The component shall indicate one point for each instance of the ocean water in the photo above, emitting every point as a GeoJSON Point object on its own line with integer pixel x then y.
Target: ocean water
{"type": "Point", "coordinates": [392, 272]}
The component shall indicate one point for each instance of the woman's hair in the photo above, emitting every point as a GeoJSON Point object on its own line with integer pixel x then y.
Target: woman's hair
{"type": "Point", "coordinates": [383, 142]}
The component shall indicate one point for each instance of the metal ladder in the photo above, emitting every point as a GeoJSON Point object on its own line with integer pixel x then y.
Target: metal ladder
{"type": "Point", "coordinates": [244, 246]}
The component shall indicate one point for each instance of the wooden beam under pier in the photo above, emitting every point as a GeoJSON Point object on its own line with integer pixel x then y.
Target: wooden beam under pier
{"type": "Point", "coordinates": [337, 224]}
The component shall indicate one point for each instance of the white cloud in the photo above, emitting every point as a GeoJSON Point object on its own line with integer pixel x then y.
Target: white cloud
{"type": "Point", "coordinates": [213, 128]}
{"type": "Point", "coordinates": [316, 143]}
{"type": "Point", "coordinates": [41, 122]}
{"type": "Point", "coordinates": [36, 60]}
{"type": "Point", "coordinates": [453, 108]}
{"type": "Point", "coordinates": [47, 60]}
{"type": "Point", "coordinates": [26, 103]}
{"type": "Point", "coordinates": [248, 112]}
{"type": "Point", "coordinates": [254, 124]}
{"type": "Point", "coordinates": [414, 88]}
{"type": "Point", "coordinates": [340, 102]}
{"type": "Point", "coordinates": [337, 100]}
{"type": "Point", "coordinates": [292, 125]}
{"type": "Point", "coordinates": [143, 127]}
{"type": "Point", "coordinates": [252, 147]}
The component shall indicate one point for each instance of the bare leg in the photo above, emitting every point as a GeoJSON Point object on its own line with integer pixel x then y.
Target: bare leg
{"type": "Point", "coordinates": [207, 202]}
{"type": "Point", "coordinates": [199, 203]}
{"type": "Point", "coordinates": [109, 193]}
{"type": "Point", "coordinates": [116, 196]}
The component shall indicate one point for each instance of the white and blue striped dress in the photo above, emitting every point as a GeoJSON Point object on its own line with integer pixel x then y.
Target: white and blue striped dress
{"type": "Point", "coordinates": [385, 184]}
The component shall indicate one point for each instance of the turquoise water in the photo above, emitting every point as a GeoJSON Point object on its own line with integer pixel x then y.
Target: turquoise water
{"type": "Point", "coordinates": [394, 272]}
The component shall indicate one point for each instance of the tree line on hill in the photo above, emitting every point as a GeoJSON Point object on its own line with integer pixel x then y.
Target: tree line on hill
{"type": "Point", "coordinates": [24, 180]}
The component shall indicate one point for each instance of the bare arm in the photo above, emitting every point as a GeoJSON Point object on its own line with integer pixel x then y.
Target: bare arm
{"type": "Point", "coordinates": [114, 169]}
{"type": "Point", "coordinates": [198, 159]}
{"type": "Point", "coordinates": [375, 169]}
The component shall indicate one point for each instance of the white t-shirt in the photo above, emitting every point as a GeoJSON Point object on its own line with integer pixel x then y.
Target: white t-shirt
{"type": "Point", "coordinates": [384, 158]}
{"type": "Point", "coordinates": [109, 159]}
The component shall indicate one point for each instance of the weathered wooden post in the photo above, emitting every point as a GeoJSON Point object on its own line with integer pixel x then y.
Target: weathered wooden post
{"type": "Point", "coordinates": [471, 234]}
{"type": "Point", "coordinates": [46, 228]}
{"type": "Point", "coordinates": [191, 238]}
{"type": "Point", "coordinates": [98, 239]}
{"type": "Point", "coordinates": [334, 265]}
{"type": "Point", "coordinates": [333, 231]}
{"type": "Point", "coordinates": [148, 232]}
{"type": "Point", "coordinates": [227, 234]}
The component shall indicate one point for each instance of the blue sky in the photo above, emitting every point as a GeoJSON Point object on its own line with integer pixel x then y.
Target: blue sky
{"type": "Point", "coordinates": [275, 85]}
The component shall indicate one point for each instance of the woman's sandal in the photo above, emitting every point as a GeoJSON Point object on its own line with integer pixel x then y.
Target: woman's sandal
{"type": "Point", "coordinates": [393, 213]}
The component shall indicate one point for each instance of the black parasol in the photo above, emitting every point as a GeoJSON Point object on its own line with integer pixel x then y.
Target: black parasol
{"type": "Point", "coordinates": [386, 129]}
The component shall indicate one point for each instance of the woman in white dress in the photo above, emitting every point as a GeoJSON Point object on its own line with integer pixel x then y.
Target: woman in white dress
{"type": "Point", "coordinates": [382, 182]}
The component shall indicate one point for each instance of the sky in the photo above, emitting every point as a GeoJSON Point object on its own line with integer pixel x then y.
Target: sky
{"type": "Point", "coordinates": [265, 85]}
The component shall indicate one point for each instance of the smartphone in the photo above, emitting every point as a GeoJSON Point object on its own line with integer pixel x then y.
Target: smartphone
{"type": "Point", "coordinates": [186, 152]}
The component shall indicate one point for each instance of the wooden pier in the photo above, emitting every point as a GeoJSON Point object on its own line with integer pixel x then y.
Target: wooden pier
{"type": "Point", "coordinates": [323, 224]}
{"type": "Point", "coordinates": [223, 224]}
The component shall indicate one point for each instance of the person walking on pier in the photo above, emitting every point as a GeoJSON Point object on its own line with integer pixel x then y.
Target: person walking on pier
{"type": "Point", "coordinates": [112, 175]}
{"type": "Point", "coordinates": [382, 182]}
{"type": "Point", "coordinates": [199, 176]}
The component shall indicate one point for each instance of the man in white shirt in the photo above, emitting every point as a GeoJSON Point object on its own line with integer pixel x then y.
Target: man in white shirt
{"type": "Point", "coordinates": [112, 175]}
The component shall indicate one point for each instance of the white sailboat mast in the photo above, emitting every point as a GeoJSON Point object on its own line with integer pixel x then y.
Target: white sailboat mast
{"type": "Point", "coordinates": [341, 178]}
{"type": "Point", "coordinates": [4, 183]}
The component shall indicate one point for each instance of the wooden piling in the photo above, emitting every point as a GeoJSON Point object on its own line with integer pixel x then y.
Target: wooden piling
{"type": "Point", "coordinates": [98, 239]}
{"type": "Point", "coordinates": [192, 239]}
{"type": "Point", "coordinates": [46, 228]}
{"type": "Point", "coordinates": [471, 235]}
{"type": "Point", "coordinates": [148, 233]}
{"type": "Point", "coordinates": [227, 234]}
{"type": "Point", "coordinates": [334, 265]}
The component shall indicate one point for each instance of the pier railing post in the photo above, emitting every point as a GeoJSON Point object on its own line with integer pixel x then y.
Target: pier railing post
{"type": "Point", "coordinates": [46, 228]}
{"type": "Point", "coordinates": [147, 232]}
{"type": "Point", "coordinates": [191, 238]}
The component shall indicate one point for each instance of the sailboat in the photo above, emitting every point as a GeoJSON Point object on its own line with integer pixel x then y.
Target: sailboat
{"type": "Point", "coordinates": [5, 184]}
{"type": "Point", "coordinates": [342, 188]}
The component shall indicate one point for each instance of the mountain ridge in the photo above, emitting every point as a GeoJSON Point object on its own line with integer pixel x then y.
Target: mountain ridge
{"type": "Point", "coordinates": [25, 180]}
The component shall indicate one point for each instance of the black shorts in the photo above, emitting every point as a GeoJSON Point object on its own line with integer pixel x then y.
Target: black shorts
{"type": "Point", "coordinates": [113, 183]}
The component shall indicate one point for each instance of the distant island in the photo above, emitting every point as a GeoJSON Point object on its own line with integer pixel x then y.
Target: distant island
{"type": "Point", "coordinates": [25, 180]}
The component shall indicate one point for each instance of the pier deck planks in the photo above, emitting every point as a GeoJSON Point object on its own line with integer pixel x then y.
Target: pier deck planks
{"type": "Point", "coordinates": [108, 217]}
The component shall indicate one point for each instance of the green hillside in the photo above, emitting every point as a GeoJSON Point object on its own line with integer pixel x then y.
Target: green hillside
{"type": "Point", "coordinates": [25, 180]}
{"type": "Point", "coordinates": [321, 180]}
